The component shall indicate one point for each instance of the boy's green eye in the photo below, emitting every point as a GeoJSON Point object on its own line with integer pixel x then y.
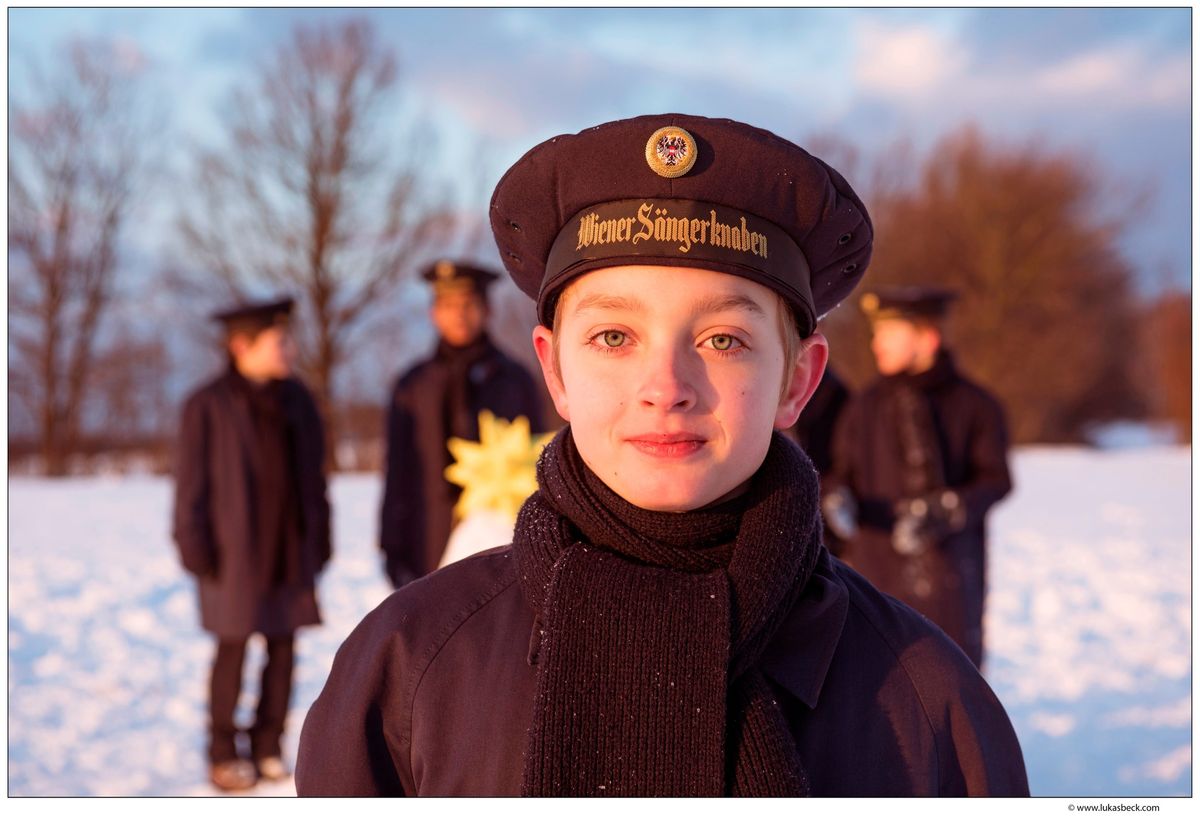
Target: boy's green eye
{"type": "Point", "coordinates": [722, 342]}
{"type": "Point", "coordinates": [614, 338]}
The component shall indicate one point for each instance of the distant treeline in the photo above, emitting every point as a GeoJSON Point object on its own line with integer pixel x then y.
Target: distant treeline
{"type": "Point", "coordinates": [1048, 315]}
{"type": "Point", "coordinates": [323, 188]}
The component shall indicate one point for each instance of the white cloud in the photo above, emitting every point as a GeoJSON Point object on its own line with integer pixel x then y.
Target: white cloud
{"type": "Point", "coordinates": [801, 56]}
{"type": "Point", "coordinates": [1088, 73]}
{"type": "Point", "coordinates": [1052, 724]}
{"type": "Point", "coordinates": [925, 66]}
{"type": "Point", "coordinates": [1124, 74]}
{"type": "Point", "coordinates": [1165, 769]}
{"type": "Point", "coordinates": [906, 60]}
{"type": "Point", "coordinates": [1169, 715]}
{"type": "Point", "coordinates": [1171, 766]}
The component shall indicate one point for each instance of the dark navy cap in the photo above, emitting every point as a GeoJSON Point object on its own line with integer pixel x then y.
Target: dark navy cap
{"type": "Point", "coordinates": [255, 315]}
{"type": "Point", "coordinates": [682, 191]}
{"type": "Point", "coordinates": [447, 276]}
{"type": "Point", "coordinates": [907, 302]}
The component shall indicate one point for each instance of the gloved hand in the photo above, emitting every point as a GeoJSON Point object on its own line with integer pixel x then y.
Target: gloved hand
{"type": "Point", "coordinates": [924, 521]}
{"type": "Point", "coordinates": [841, 512]}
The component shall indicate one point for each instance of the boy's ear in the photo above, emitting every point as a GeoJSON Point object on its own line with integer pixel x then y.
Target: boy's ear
{"type": "Point", "coordinates": [807, 371]}
{"type": "Point", "coordinates": [543, 345]}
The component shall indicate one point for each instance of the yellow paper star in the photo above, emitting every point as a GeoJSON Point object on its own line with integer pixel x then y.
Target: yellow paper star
{"type": "Point", "coordinates": [498, 471]}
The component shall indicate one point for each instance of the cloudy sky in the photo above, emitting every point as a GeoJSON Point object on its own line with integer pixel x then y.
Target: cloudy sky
{"type": "Point", "coordinates": [1113, 85]}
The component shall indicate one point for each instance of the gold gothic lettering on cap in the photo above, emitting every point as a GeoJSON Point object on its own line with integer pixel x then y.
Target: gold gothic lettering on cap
{"type": "Point", "coordinates": [655, 223]}
{"type": "Point", "coordinates": [671, 152]}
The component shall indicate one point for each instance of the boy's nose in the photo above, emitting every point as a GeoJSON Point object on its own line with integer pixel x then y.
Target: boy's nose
{"type": "Point", "coordinates": [665, 383]}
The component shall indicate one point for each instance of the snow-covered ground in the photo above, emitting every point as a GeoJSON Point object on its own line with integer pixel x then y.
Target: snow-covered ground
{"type": "Point", "coordinates": [1089, 628]}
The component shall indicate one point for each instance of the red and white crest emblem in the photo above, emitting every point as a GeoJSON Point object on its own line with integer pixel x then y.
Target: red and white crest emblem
{"type": "Point", "coordinates": [672, 149]}
{"type": "Point", "coordinates": [671, 152]}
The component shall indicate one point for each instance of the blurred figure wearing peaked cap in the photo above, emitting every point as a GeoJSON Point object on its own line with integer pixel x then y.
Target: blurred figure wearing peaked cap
{"type": "Point", "coordinates": [251, 522]}
{"type": "Point", "coordinates": [920, 456]}
{"type": "Point", "coordinates": [435, 399]}
{"type": "Point", "coordinates": [666, 620]}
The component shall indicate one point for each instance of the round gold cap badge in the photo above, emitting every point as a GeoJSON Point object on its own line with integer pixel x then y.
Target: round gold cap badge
{"type": "Point", "coordinates": [671, 152]}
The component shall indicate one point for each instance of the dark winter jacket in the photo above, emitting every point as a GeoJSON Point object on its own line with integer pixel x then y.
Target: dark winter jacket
{"type": "Point", "coordinates": [432, 694]}
{"type": "Point", "coordinates": [418, 501]}
{"type": "Point", "coordinates": [969, 451]}
{"type": "Point", "coordinates": [813, 431]}
{"type": "Point", "coordinates": [216, 517]}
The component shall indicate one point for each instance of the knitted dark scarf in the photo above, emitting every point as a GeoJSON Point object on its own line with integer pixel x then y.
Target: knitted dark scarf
{"type": "Point", "coordinates": [648, 629]}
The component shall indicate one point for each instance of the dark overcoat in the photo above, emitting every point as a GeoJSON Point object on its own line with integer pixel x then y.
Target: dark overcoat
{"type": "Point", "coordinates": [813, 430]}
{"type": "Point", "coordinates": [433, 694]}
{"type": "Point", "coordinates": [948, 584]}
{"type": "Point", "coordinates": [214, 517]}
{"type": "Point", "coordinates": [418, 502]}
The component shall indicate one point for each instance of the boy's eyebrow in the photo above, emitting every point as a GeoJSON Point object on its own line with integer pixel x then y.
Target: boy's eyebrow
{"type": "Point", "coordinates": [718, 304]}
{"type": "Point", "coordinates": [712, 304]}
{"type": "Point", "coordinates": [605, 302]}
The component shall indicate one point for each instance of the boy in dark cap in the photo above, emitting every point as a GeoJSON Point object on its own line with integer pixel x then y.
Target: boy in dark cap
{"type": "Point", "coordinates": [666, 621]}
{"type": "Point", "coordinates": [251, 522]}
{"type": "Point", "coordinates": [920, 456]}
{"type": "Point", "coordinates": [436, 399]}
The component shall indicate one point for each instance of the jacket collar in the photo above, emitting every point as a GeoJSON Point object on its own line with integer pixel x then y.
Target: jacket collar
{"type": "Point", "coordinates": [476, 350]}
{"type": "Point", "coordinates": [800, 653]}
{"type": "Point", "coordinates": [940, 373]}
{"type": "Point", "coordinates": [235, 391]}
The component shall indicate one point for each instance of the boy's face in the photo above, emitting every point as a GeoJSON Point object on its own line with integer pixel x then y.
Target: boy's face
{"type": "Point", "coordinates": [267, 355]}
{"type": "Point", "coordinates": [901, 346]}
{"type": "Point", "coordinates": [670, 378]}
{"type": "Point", "coordinates": [459, 316]}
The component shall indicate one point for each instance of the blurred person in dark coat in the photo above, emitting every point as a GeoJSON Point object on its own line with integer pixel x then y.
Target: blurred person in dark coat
{"type": "Point", "coordinates": [251, 522]}
{"type": "Point", "coordinates": [813, 431]}
{"type": "Point", "coordinates": [436, 399]}
{"type": "Point", "coordinates": [919, 458]}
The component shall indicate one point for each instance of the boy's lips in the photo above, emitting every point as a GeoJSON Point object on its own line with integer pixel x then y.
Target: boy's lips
{"type": "Point", "coordinates": [667, 445]}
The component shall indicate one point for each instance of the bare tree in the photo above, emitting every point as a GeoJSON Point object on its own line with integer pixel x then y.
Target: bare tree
{"type": "Point", "coordinates": [1029, 237]}
{"type": "Point", "coordinates": [76, 159]}
{"type": "Point", "coordinates": [314, 194]}
{"type": "Point", "coordinates": [130, 396]}
{"type": "Point", "coordinates": [1167, 333]}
